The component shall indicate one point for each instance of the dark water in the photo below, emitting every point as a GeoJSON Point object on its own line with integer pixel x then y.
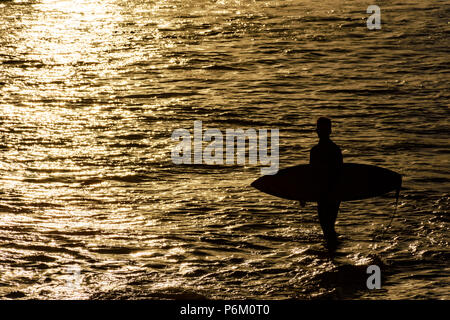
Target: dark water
{"type": "Point", "coordinates": [92, 91]}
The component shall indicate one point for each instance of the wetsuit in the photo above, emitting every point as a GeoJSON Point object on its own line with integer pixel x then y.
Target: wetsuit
{"type": "Point", "coordinates": [326, 160]}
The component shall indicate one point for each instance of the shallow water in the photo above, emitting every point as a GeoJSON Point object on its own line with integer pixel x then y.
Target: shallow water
{"type": "Point", "coordinates": [92, 206]}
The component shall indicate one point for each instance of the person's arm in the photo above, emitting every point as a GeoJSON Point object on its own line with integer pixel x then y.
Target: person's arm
{"type": "Point", "coordinates": [311, 156]}
{"type": "Point", "coordinates": [340, 157]}
{"type": "Point", "coordinates": [335, 173]}
{"type": "Point", "coordinates": [311, 161]}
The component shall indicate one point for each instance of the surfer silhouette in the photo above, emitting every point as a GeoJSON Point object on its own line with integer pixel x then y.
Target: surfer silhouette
{"type": "Point", "coordinates": [326, 160]}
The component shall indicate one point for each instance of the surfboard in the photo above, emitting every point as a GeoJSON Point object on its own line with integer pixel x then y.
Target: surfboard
{"type": "Point", "coordinates": [354, 181]}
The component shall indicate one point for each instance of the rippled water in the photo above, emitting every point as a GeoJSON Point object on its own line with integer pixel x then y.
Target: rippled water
{"type": "Point", "coordinates": [92, 90]}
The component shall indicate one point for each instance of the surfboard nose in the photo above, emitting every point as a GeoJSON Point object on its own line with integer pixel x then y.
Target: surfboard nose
{"type": "Point", "coordinates": [257, 184]}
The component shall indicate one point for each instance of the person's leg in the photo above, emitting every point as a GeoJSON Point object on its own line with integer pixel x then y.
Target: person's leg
{"type": "Point", "coordinates": [323, 210]}
{"type": "Point", "coordinates": [327, 217]}
{"type": "Point", "coordinates": [334, 210]}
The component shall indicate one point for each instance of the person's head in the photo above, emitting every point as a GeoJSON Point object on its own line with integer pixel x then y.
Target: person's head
{"type": "Point", "coordinates": [323, 128]}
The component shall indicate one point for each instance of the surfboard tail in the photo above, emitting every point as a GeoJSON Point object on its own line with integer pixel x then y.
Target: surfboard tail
{"type": "Point", "coordinates": [397, 191]}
